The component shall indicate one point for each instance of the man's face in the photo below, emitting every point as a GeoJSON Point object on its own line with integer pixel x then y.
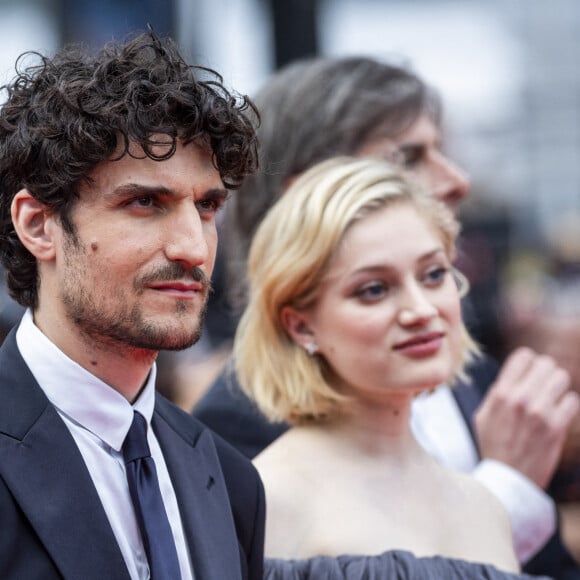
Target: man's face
{"type": "Point", "coordinates": [136, 272]}
{"type": "Point", "coordinates": [418, 151]}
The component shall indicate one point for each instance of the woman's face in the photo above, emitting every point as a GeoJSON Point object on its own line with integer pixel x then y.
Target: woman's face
{"type": "Point", "coordinates": [388, 317]}
{"type": "Point", "coordinates": [418, 151]}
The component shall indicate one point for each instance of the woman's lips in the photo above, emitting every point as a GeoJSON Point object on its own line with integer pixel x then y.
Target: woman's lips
{"type": "Point", "coordinates": [424, 344]}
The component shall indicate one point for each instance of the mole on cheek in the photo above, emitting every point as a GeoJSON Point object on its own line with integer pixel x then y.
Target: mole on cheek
{"type": "Point", "coordinates": [94, 246]}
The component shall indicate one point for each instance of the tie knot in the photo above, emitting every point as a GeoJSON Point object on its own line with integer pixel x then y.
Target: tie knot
{"type": "Point", "coordinates": [135, 445]}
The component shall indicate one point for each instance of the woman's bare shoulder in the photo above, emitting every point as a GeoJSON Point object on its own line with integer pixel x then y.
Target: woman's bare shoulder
{"type": "Point", "coordinates": [286, 468]}
{"type": "Point", "coordinates": [491, 528]}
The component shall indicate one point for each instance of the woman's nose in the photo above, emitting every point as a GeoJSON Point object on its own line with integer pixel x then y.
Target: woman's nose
{"type": "Point", "coordinates": [415, 307]}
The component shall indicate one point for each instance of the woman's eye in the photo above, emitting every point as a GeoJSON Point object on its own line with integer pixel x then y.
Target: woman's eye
{"type": "Point", "coordinates": [371, 292]}
{"type": "Point", "coordinates": [436, 276]}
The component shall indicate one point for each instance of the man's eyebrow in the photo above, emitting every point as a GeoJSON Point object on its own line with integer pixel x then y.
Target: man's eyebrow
{"type": "Point", "coordinates": [130, 189]}
{"type": "Point", "coordinates": [405, 147]}
{"type": "Point", "coordinates": [135, 189]}
{"type": "Point", "coordinates": [216, 193]}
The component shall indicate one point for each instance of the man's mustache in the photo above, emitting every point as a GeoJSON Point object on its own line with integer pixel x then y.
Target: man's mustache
{"type": "Point", "coordinates": [176, 271]}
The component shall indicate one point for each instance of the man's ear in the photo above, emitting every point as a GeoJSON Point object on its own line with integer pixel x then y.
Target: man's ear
{"type": "Point", "coordinates": [297, 325]}
{"type": "Point", "coordinates": [34, 225]}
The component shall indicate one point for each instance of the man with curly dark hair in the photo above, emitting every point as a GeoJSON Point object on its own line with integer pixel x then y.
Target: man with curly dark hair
{"type": "Point", "coordinates": [112, 169]}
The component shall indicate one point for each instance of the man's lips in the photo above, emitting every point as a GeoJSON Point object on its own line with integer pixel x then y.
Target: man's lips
{"type": "Point", "coordinates": [178, 287]}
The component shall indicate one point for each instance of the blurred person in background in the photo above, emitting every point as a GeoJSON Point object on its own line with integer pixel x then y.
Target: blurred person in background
{"type": "Point", "coordinates": [541, 310]}
{"type": "Point", "coordinates": [507, 429]}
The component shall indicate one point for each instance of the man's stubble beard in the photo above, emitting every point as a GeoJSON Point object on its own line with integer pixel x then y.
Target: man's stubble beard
{"type": "Point", "coordinates": [124, 327]}
{"type": "Point", "coordinates": [115, 325]}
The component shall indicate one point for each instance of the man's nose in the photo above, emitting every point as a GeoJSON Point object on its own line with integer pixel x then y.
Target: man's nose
{"type": "Point", "coordinates": [186, 238]}
{"type": "Point", "coordinates": [451, 184]}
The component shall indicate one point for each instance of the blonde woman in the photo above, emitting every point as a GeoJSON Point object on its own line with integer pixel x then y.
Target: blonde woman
{"type": "Point", "coordinates": [354, 309]}
{"type": "Point", "coordinates": [507, 428]}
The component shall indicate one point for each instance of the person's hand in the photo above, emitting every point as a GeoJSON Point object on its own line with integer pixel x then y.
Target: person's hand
{"type": "Point", "coordinates": [525, 415]}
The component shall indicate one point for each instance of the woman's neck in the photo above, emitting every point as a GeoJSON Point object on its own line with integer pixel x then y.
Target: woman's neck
{"type": "Point", "coordinates": [374, 428]}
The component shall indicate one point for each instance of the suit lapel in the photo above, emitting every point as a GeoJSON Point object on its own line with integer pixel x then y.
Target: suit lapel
{"type": "Point", "coordinates": [201, 494]}
{"type": "Point", "coordinates": [469, 395]}
{"type": "Point", "coordinates": [468, 399]}
{"type": "Point", "coordinates": [42, 466]}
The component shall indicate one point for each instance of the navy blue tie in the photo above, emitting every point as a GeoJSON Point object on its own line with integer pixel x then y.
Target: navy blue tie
{"type": "Point", "coordinates": [149, 508]}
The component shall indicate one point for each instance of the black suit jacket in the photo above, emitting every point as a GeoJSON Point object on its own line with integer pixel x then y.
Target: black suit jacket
{"type": "Point", "coordinates": [227, 411]}
{"type": "Point", "coordinates": [52, 522]}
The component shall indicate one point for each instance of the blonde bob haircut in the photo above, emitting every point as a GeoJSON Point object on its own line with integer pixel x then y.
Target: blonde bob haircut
{"type": "Point", "coordinates": [289, 256]}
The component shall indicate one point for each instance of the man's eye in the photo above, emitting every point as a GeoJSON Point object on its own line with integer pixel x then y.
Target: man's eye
{"type": "Point", "coordinates": [143, 201]}
{"type": "Point", "coordinates": [210, 205]}
{"type": "Point", "coordinates": [409, 156]}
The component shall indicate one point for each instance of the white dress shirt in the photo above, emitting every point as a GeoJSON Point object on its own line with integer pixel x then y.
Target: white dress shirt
{"type": "Point", "coordinates": [439, 427]}
{"type": "Point", "coordinates": [99, 418]}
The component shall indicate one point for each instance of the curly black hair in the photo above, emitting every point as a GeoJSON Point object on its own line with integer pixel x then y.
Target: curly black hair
{"type": "Point", "coordinates": [66, 114]}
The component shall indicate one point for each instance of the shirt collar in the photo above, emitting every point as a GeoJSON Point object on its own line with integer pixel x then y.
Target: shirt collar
{"type": "Point", "coordinates": [75, 392]}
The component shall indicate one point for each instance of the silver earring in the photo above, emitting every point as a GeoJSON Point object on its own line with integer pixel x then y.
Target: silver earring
{"type": "Point", "coordinates": [311, 348]}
